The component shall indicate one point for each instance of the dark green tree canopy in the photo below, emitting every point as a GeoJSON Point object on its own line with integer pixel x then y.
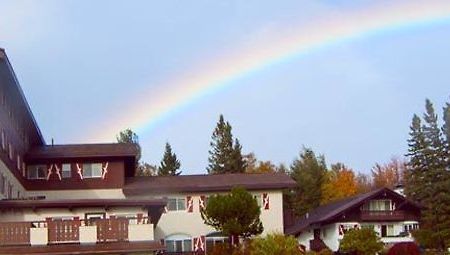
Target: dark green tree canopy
{"type": "Point", "coordinates": [428, 176]}
{"type": "Point", "coordinates": [362, 241]}
{"type": "Point", "coordinates": [128, 136]}
{"type": "Point", "coordinates": [169, 164]}
{"type": "Point", "coordinates": [309, 171]}
{"type": "Point", "coordinates": [225, 155]}
{"type": "Point", "coordinates": [235, 214]}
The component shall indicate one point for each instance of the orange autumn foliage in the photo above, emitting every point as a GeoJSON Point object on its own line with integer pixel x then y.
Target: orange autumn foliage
{"type": "Point", "coordinates": [340, 183]}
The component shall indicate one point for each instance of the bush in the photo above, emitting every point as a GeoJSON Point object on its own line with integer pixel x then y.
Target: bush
{"type": "Point", "coordinates": [361, 241]}
{"type": "Point", "coordinates": [406, 248]}
{"type": "Point", "coordinates": [275, 244]}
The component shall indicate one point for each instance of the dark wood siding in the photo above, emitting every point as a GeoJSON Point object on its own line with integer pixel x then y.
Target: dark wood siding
{"type": "Point", "coordinates": [113, 179]}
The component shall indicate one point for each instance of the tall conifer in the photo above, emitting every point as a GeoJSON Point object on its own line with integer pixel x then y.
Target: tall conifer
{"type": "Point", "coordinates": [225, 155]}
{"type": "Point", "coordinates": [169, 164]}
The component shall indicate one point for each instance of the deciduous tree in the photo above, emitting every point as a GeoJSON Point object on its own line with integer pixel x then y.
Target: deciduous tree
{"type": "Point", "coordinates": [362, 241]}
{"type": "Point", "coordinates": [339, 183]}
{"type": "Point", "coordinates": [389, 174]}
{"type": "Point", "coordinates": [235, 214]}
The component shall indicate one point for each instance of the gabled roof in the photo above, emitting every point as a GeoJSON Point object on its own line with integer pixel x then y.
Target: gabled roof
{"type": "Point", "coordinates": [68, 151]}
{"type": "Point", "coordinates": [205, 183]}
{"type": "Point", "coordinates": [329, 211]}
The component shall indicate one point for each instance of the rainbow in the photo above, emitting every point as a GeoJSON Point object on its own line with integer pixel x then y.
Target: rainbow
{"type": "Point", "coordinates": [209, 77]}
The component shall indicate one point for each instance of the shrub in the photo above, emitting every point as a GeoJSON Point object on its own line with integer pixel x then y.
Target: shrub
{"type": "Point", "coordinates": [406, 248]}
{"type": "Point", "coordinates": [275, 244]}
{"type": "Point", "coordinates": [361, 241]}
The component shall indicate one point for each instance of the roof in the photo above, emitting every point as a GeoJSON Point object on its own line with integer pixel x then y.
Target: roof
{"type": "Point", "coordinates": [19, 96]}
{"type": "Point", "coordinates": [82, 151]}
{"type": "Point", "coordinates": [78, 203]}
{"type": "Point", "coordinates": [205, 183]}
{"type": "Point", "coordinates": [329, 211]}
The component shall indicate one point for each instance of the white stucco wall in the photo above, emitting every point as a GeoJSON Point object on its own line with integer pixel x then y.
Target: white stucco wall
{"type": "Point", "coordinates": [16, 186]}
{"type": "Point", "coordinates": [42, 214]}
{"type": "Point", "coordinates": [191, 224]}
{"type": "Point", "coordinates": [79, 194]}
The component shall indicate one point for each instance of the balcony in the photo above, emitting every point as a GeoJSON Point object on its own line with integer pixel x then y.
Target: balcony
{"type": "Point", "coordinates": [75, 231]}
{"type": "Point", "coordinates": [382, 215]}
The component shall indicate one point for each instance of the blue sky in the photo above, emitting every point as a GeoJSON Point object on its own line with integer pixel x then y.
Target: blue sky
{"type": "Point", "coordinates": [79, 62]}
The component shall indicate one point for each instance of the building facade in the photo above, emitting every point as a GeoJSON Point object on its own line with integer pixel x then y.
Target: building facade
{"type": "Point", "coordinates": [387, 212]}
{"type": "Point", "coordinates": [84, 198]}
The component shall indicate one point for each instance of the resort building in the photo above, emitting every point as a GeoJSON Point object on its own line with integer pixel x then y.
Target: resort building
{"type": "Point", "coordinates": [85, 198]}
{"type": "Point", "coordinates": [389, 213]}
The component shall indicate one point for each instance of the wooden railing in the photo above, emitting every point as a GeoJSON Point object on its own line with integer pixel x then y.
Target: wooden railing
{"type": "Point", "coordinates": [68, 231]}
{"type": "Point", "coordinates": [112, 230]}
{"type": "Point", "coordinates": [63, 231]}
{"type": "Point", "coordinates": [382, 215]}
{"type": "Point", "coordinates": [15, 233]}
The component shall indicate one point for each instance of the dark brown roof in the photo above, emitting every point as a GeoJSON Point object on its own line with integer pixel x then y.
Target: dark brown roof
{"type": "Point", "coordinates": [17, 100]}
{"type": "Point", "coordinates": [82, 151]}
{"type": "Point", "coordinates": [99, 248]}
{"type": "Point", "coordinates": [77, 203]}
{"type": "Point", "coordinates": [329, 211]}
{"type": "Point", "coordinates": [205, 183]}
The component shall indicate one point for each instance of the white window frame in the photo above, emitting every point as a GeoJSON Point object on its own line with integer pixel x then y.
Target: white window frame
{"type": "Point", "coordinates": [180, 204]}
{"type": "Point", "coordinates": [171, 243]}
{"type": "Point", "coordinates": [91, 165]}
{"type": "Point", "coordinates": [64, 166]}
{"type": "Point", "coordinates": [36, 176]}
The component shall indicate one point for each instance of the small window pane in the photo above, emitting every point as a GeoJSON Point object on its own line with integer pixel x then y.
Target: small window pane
{"type": "Point", "coordinates": [172, 204]}
{"type": "Point", "coordinates": [187, 245]}
{"type": "Point", "coordinates": [170, 245]}
{"type": "Point", "coordinates": [181, 204]}
{"type": "Point", "coordinates": [66, 171]}
{"type": "Point", "coordinates": [92, 170]}
{"type": "Point", "coordinates": [178, 245]}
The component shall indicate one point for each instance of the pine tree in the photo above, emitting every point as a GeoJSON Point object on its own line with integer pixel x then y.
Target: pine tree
{"type": "Point", "coordinates": [169, 164]}
{"type": "Point", "coordinates": [427, 177]}
{"type": "Point", "coordinates": [309, 172]}
{"type": "Point", "coordinates": [225, 155]}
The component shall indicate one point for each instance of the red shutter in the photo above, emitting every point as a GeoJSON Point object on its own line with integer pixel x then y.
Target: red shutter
{"type": "Point", "coordinates": [189, 204]}
{"type": "Point", "coordinates": [266, 201]}
{"type": "Point", "coordinates": [199, 245]}
{"type": "Point", "coordinates": [202, 202]}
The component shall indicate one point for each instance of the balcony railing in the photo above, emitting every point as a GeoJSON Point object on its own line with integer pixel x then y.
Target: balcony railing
{"type": "Point", "coordinates": [58, 231]}
{"type": "Point", "coordinates": [382, 215]}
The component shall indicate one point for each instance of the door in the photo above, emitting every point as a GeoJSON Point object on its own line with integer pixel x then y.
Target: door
{"type": "Point", "coordinates": [383, 230]}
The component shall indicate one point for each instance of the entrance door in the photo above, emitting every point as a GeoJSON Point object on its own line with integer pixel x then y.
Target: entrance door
{"type": "Point", "coordinates": [383, 230]}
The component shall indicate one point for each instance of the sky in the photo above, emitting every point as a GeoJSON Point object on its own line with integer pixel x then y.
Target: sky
{"type": "Point", "coordinates": [92, 68]}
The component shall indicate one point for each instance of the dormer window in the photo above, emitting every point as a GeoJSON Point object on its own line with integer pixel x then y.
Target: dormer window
{"type": "Point", "coordinates": [93, 170]}
{"type": "Point", "coordinates": [378, 205]}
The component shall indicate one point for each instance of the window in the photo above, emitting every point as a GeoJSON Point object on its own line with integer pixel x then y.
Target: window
{"type": "Point", "coordinates": [176, 204]}
{"type": "Point", "coordinates": [36, 172]}
{"type": "Point", "coordinates": [387, 230]}
{"type": "Point", "coordinates": [19, 162]}
{"type": "Point", "coordinates": [178, 243]}
{"type": "Point", "coordinates": [258, 200]}
{"type": "Point", "coordinates": [211, 241]}
{"type": "Point", "coordinates": [90, 218]}
{"type": "Point", "coordinates": [2, 184]}
{"type": "Point", "coordinates": [66, 171]}
{"type": "Point", "coordinates": [10, 191]}
{"type": "Point", "coordinates": [11, 152]}
{"type": "Point", "coordinates": [378, 205]}
{"type": "Point", "coordinates": [92, 170]}
{"type": "Point", "coordinates": [3, 140]}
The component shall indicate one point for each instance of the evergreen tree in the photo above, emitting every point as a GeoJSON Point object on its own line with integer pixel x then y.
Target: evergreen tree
{"type": "Point", "coordinates": [309, 172]}
{"type": "Point", "coordinates": [427, 177]}
{"type": "Point", "coordinates": [225, 155]}
{"type": "Point", "coordinates": [169, 164]}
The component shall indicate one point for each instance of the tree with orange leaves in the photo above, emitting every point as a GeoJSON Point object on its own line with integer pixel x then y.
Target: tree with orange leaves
{"type": "Point", "coordinates": [389, 174]}
{"type": "Point", "coordinates": [339, 183]}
